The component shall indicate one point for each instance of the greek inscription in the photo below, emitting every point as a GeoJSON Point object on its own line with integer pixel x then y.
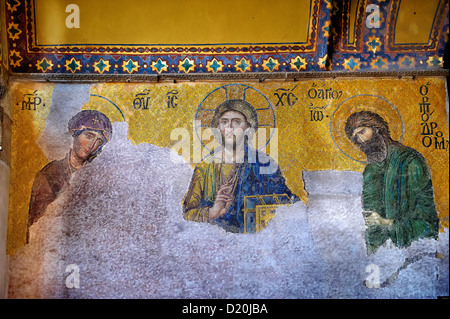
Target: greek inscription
{"type": "Point", "coordinates": [320, 94]}
{"type": "Point", "coordinates": [316, 116]}
{"type": "Point", "coordinates": [172, 99]}
{"type": "Point", "coordinates": [323, 93]}
{"type": "Point", "coordinates": [431, 136]}
{"type": "Point", "coordinates": [31, 101]}
{"type": "Point", "coordinates": [285, 96]}
{"type": "Point", "coordinates": [141, 100]}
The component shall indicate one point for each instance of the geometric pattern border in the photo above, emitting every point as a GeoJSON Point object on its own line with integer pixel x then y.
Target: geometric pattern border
{"type": "Point", "coordinates": [374, 49]}
{"type": "Point", "coordinates": [27, 57]}
{"type": "Point", "coordinates": [328, 48]}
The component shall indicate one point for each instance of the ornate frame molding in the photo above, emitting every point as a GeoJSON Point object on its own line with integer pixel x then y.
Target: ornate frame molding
{"type": "Point", "coordinates": [26, 56]}
{"type": "Point", "coordinates": [286, 76]}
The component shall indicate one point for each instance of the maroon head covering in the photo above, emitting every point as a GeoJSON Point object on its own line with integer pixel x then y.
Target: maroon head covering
{"type": "Point", "coordinates": [91, 120]}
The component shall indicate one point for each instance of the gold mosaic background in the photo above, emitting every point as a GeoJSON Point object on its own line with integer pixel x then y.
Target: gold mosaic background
{"type": "Point", "coordinates": [307, 139]}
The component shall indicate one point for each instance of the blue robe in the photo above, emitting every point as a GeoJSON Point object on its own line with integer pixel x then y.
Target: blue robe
{"type": "Point", "coordinates": [259, 174]}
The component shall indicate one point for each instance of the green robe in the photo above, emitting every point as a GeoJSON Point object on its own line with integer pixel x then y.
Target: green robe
{"type": "Point", "coordinates": [400, 188]}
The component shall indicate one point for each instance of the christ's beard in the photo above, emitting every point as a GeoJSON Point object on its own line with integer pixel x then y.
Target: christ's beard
{"type": "Point", "coordinates": [233, 144]}
{"type": "Point", "coordinates": [235, 148]}
{"type": "Point", "coordinates": [375, 148]}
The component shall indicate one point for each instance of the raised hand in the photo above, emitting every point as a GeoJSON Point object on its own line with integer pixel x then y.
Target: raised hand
{"type": "Point", "coordinates": [222, 202]}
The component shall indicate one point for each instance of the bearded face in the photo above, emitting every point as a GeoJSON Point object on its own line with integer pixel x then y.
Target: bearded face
{"type": "Point", "coordinates": [371, 142]}
{"type": "Point", "coordinates": [232, 126]}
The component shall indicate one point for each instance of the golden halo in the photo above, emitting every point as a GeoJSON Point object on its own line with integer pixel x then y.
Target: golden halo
{"type": "Point", "coordinates": [106, 106]}
{"type": "Point", "coordinates": [260, 102]}
{"type": "Point", "coordinates": [363, 102]}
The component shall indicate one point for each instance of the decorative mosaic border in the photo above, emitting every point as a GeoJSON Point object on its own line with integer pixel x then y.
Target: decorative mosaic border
{"type": "Point", "coordinates": [26, 57]}
{"type": "Point", "coordinates": [376, 50]}
{"type": "Point", "coordinates": [234, 77]}
{"type": "Point", "coordinates": [435, 32]}
{"type": "Point", "coordinates": [372, 49]}
{"type": "Point", "coordinates": [356, 46]}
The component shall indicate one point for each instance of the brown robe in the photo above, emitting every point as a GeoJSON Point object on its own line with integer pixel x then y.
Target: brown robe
{"type": "Point", "coordinates": [50, 181]}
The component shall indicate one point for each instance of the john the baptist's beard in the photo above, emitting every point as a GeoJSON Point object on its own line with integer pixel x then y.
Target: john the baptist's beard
{"type": "Point", "coordinates": [375, 148]}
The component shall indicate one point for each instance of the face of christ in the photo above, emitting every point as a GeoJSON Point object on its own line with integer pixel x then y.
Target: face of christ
{"type": "Point", "coordinates": [232, 126]}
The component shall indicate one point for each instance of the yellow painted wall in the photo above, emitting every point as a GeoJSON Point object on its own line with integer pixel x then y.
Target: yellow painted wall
{"type": "Point", "coordinates": [174, 22]}
{"type": "Point", "coordinates": [415, 20]}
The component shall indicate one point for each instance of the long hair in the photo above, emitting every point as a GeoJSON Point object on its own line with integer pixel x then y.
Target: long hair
{"type": "Point", "coordinates": [240, 106]}
{"type": "Point", "coordinates": [237, 105]}
{"type": "Point", "coordinates": [367, 119]}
